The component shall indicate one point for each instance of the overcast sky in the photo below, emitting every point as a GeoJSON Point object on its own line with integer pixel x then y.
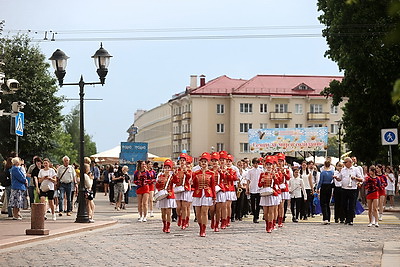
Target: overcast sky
{"type": "Point", "coordinates": [157, 44]}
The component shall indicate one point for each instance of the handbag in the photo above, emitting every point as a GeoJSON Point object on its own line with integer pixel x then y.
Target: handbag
{"type": "Point", "coordinates": [217, 188]}
{"type": "Point", "coordinates": [126, 186]}
{"type": "Point", "coordinates": [44, 187]}
{"type": "Point", "coordinates": [163, 193]}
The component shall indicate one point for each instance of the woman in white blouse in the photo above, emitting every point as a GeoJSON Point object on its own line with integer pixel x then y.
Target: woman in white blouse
{"type": "Point", "coordinates": [297, 194]}
{"type": "Point", "coordinates": [47, 178]}
{"type": "Point", "coordinates": [306, 176]}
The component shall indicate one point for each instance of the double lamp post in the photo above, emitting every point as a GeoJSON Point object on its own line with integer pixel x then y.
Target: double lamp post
{"type": "Point", "coordinates": [59, 62]}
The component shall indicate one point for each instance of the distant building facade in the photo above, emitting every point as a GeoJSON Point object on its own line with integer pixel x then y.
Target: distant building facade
{"type": "Point", "coordinates": [217, 114]}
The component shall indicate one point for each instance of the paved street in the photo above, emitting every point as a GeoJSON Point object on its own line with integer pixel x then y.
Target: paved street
{"type": "Point", "coordinates": [131, 243]}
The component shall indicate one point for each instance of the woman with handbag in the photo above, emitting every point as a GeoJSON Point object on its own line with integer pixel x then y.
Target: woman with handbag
{"type": "Point", "coordinates": [204, 192]}
{"type": "Point", "coordinates": [19, 184]}
{"type": "Point", "coordinates": [118, 180]}
{"type": "Point", "coordinates": [142, 179]}
{"type": "Point", "coordinates": [268, 199]}
{"type": "Point", "coordinates": [88, 192]}
{"type": "Point", "coordinates": [47, 178]}
{"type": "Point", "coordinates": [182, 190]}
{"type": "Point", "coordinates": [164, 182]}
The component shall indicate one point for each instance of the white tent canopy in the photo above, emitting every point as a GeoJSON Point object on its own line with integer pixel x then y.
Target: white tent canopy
{"type": "Point", "coordinates": [321, 160]}
{"type": "Point", "coordinates": [112, 155]}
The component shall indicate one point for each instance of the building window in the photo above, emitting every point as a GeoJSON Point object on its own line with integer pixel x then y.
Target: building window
{"type": "Point", "coordinates": [220, 108]}
{"type": "Point", "coordinates": [334, 128]}
{"type": "Point", "coordinates": [334, 109]}
{"type": "Point", "coordinates": [263, 108]}
{"type": "Point", "coordinates": [220, 146]}
{"type": "Point", "coordinates": [220, 128]}
{"type": "Point", "coordinates": [246, 108]}
{"type": "Point", "coordinates": [281, 108]}
{"type": "Point", "coordinates": [315, 125]}
{"type": "Point", "coordinates": [281, 125]}
{"type": "Point", "coordinates": [298, 125]}
{"type": "Point", "coordinates": [298, 108]}
{"type": "Point", "coordinates": [244, 127]}
{"type": "Point", "coordinates": [315, 108]}
{"type": "Point", "coordinates": [263, 125]}
{"type": "Point", "coordinates": [244, 148]}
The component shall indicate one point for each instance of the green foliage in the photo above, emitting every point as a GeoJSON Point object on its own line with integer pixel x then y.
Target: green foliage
{"type": "Point", "coordinates": [25, 63]}
{"type": "Point", "coordinates": [62, 147]}
{"type": "Point", "coordinates": [356, 35]}
{"type": "Point", "coordinates": [333, 147]}
{"type": "Point", "coordinates": [71, 125]}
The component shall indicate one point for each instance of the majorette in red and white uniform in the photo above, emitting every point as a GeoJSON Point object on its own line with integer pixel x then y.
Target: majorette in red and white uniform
{"type": "Point", "coordinates": [204, 192]}
{"type": "Point", "coordinates": [183, 177]}
{"type": "Point", "coordinates": [164, 181]}
{"type": "Point", "coordinates": [267, 180]}
{"type": "Point", "coordinates": [283, 175]}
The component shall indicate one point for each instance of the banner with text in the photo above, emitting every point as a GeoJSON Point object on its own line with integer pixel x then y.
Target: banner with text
{"type": "Point", "coordinates": [288, 139]}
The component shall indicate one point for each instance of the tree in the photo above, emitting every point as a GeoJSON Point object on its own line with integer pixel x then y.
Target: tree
{"type": "Point", "coordinates": [356, 34]}
{"type": "Point", "coordinates": [62, 146]}
{"type": "Point", "coordinates": [333, 147]}
{"type": "Point", "coordinates": [72, 128]}
{"type": "Point", "coordinates": [25, 63]}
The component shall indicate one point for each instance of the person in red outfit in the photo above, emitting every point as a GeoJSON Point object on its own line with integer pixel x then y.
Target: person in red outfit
{"type": "Point", "coordinates": [283, 175]}
{"type": "Point", "coordinates": [164, 181]}
{"type": "Point", "coordinates": [217, 211]}
{"type": "Point", "coordinates": [182, 180]}
{"type": "Point", "coordinates": [269, 202]}
{"type": "Point", "coordinates": [230, 176]}
{"type": "Point", "coordinates": [153, 177]}
{"type": "Point", "coordinates": [204, 192]}
{"type": "Point", "coordinates": [142, 179]}
{"type": "Point", "coordinates": [382, 190]}
{"type": "Point", "coordinates": [372, 185]}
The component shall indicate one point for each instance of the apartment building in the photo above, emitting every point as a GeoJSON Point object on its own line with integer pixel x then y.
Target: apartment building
{"type": "Point", "coordinates": [217, 114]}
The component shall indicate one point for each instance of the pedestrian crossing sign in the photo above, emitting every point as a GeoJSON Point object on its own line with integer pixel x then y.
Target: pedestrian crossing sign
{"type": "Point", "coordinates": [389, 137]}
{"type": "Point", "coordinates": [19, 124]}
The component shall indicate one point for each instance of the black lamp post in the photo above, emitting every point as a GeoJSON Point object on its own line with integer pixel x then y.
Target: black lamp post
{"type": "Point", "coordinates": [59, 62]}
{"type": "Point", "coordinates": [340, 125]}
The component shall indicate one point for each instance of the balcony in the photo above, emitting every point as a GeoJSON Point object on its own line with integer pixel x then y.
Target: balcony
{"type": "Point", "coordinates": [280, 116]}
{"type": "Point", "coordinates": [186, 116]}
{"type": "Point", "coordinates": [186, 135]}
{"type": "Point", "coordinates": [177, 137]}
{"type": "Point", "coordinates": [323, 116]}
{"type": "Point", "coordinates": [177, 117]}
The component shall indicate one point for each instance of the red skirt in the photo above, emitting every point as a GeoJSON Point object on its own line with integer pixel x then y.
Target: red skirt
{"type": "Point", "coordinates": [143, 190]}
{"type": "Point", "coordinates": [151, 187]}
{"type": "Point", "coordinates": [382, 192]}
{"type": "Point", "coordinates": [373, 195]}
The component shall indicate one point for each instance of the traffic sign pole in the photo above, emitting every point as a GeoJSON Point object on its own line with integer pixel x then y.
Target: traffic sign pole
{"type": "Point", "coordinates": [16, 145]}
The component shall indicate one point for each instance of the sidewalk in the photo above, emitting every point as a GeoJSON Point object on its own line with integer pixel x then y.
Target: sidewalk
{"type": "Point", "coordinates": [12, 232]}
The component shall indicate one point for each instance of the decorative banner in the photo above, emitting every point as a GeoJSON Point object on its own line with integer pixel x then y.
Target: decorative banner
{"type": "Point", "coordinates": [288, 139]}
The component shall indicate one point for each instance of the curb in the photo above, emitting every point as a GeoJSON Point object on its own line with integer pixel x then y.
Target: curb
{"type": "Point", "coordinates": [25, 239]}
{"type": "Point", "coordinates": [390, 254]}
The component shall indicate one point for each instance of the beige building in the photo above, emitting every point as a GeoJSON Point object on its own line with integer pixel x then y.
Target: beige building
{"type": "Point", "coordinates": [217, 114]}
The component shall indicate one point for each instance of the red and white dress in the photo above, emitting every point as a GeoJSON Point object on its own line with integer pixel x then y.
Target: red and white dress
{"type": "Point", "coordinates": [284, 186]}
{"type": "Point", "coordinates": [230, 176]}
{"type": "Point", "coordinates": [204, 188]}
{"type": "Point", "coordinates": [182, 178]}
{"type": "Point", "coordinates": [163, 183]}
{"type": "Point", "coordinates": [372, 186]}
{"type": "Point", "coordinates": [142, 180]}
{"type": "Point", "coordinates": [269, 179]}
{"type": "Point", "coordinates": [382, 189]}
{"type": "Point", "coordinates": [221, 196]}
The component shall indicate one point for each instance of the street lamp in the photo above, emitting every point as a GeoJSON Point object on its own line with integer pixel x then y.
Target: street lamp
{"type": "Point", "coordinates": [59, 62]}
{"type": "Point", "coordinates": [340, 125]}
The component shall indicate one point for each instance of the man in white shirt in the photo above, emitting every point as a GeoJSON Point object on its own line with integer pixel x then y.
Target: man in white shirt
{"type": "Point", "coordinates": [349, 176]}
{"type": "Point", "coordinates": [252, 177]}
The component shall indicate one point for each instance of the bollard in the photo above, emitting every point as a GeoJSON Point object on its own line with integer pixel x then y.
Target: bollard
{"type": "Point", "coordinates": [38, 211]}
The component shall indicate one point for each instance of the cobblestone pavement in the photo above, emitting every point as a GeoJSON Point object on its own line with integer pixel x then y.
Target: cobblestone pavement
{"type": "Point", "coordinates": [131, 243]}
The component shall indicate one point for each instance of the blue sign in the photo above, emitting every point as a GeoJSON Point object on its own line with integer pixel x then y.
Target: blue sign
{"type": "Point", "coordinates": [389, 136]}
{"type": "Point", "coordinates": [19, 124]}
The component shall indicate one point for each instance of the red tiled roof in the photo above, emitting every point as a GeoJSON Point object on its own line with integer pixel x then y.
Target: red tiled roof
{"type": "Point", "coordinates": [222, 85]}
{"type": "Point", "coordinates": [267, 85]}
{"type": "Point", "coordinates": [285, 85]}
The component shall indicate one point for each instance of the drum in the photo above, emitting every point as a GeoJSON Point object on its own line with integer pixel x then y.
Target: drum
{"type": "Point", "coordinates": [179, 189]}
{"type": "Point", "coordinates": [266, 191]}
{"type": "Point", "coordinates": [160, 195]}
